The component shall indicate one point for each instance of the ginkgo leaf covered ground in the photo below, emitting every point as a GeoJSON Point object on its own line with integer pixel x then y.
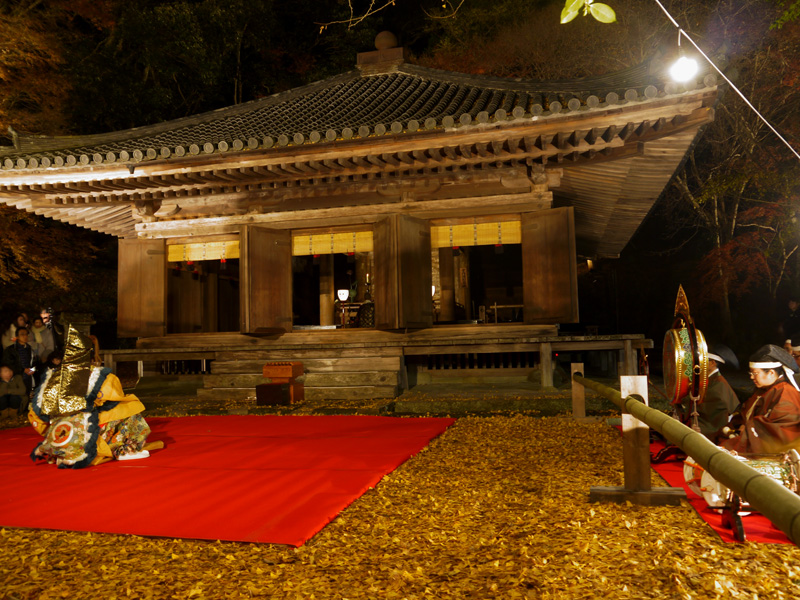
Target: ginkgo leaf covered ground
{"type": "Point", "coordinates": [494, 508]}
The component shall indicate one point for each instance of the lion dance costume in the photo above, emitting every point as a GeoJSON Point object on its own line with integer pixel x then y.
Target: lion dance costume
{"type": "Point", "coordinates": [82, 412]}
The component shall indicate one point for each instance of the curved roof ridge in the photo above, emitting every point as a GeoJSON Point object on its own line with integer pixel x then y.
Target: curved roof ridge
{"type": "Point", "coordinates": [636, 76]}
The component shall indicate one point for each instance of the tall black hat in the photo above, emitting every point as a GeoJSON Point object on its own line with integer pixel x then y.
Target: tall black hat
{"type": "Point", "coordinates": [774, 357]}
{"type": "Point", "coordinates": [723, 355]}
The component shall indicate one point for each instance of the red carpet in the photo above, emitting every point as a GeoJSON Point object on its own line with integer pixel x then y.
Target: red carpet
{"type": "Point", "coordinates": [757, 527]}
{"type": "Point", "coordinates": [266, 479]}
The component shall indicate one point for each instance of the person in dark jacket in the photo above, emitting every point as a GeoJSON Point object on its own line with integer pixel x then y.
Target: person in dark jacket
{"type": "Point", "coordinates": [719, 402]}
{"type": "Point", "coordinates": [12, 393]}
{"type": "Point", "coordinates": [22, 359]}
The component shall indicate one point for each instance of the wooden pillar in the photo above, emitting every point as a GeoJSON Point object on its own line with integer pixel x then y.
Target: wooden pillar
{"type": "Point", "coordinates": [635, 438]}
{"type": "Point", "coordinates": [546, 364]}
{"type": "Point", "coordinates": [447, 285]}
{"type": "Point", "coordinates": [578, 393]}
{"type": "Point", "coordinates": [326, 291]}
{"type": "Point", "coordinates": [108, 361]}
{"type": "Point", "coordinates": [630, 359]}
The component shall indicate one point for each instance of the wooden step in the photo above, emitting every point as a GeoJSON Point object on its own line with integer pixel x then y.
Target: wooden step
{"type": "Point", "coordinates": [237, 380]}
{"type": "Point", "coordinates": [341, 379]}
{"type": "Point", "coordinates": [302, 353]}
{"type": "Point", "coordinates": [312, 379]}
{"type": "Point", "coordinates": [328, 364]}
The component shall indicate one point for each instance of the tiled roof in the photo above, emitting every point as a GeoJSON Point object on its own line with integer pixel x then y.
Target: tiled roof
{"type": "Point", "coordinates": [353, 105]}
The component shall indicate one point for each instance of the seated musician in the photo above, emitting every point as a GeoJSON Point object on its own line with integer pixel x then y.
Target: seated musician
{"type": "Point", "coordinates": [769, 421]}
{"type": "Point", "coordinates": [719, 401]}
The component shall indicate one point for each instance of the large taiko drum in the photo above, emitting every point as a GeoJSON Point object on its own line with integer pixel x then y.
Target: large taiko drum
{"type": "Point", "coordinates": [685, 363]}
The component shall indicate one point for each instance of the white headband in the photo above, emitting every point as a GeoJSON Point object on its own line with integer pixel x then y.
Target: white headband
{"type": "Point", "coordinates": [765, 365]}
{"type": "Point", "coordinates": [717, 358]}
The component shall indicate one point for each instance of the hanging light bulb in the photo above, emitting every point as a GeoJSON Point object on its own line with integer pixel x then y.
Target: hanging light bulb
{"type": "Point", "coordinates": [685, 68]}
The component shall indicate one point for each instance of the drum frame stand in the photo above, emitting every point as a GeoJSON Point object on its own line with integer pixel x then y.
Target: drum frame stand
{"type": "Point", "coordinates": [731, 519]}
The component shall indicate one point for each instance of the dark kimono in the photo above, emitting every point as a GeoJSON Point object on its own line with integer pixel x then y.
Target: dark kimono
{"type": "Point", "coordinates": [768, 422]}
{"type": "Point", "coordinates": [719, 403]}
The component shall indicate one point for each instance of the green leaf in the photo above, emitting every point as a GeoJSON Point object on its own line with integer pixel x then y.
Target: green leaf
{"type": "Point", "coordinates": [571, 10]}
{"type": "Point", "coordinates": [603, 13]}
{"type": "Point", "coordinates": [568, 15]}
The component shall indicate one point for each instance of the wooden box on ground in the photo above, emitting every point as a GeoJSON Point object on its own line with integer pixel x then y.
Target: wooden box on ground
{"type": "Point", "coordinates": [283, 387]}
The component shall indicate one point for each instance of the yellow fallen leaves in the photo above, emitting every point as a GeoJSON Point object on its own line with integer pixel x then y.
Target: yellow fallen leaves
{"type": "Point", "coordinates": [496, 508]}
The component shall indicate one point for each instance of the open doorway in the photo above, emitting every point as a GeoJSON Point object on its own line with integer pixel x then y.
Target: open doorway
{"type": "Point", "coordinates": [333, 291]}
{"type": "Point", "coordinates": [203, 297]}
{"type": "Point", "coordinates": [480, 284]}
{"type": "Point", "coordinates": [203, 286]}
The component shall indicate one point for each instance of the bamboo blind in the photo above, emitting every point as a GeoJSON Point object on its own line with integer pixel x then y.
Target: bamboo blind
{"type": "Point", "coordinates": [475, 234]}
{"type": "Point", "coordinates": [332, 243]}
{"type": "Point", "coordinates": [203, 251]}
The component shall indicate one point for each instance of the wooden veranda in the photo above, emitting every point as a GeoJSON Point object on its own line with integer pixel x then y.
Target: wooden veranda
{"type": "Point", "coordinates": [377, 364]}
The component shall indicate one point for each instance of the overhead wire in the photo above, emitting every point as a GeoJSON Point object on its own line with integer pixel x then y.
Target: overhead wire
{"type": "Point", "coordinates": [682, 32]}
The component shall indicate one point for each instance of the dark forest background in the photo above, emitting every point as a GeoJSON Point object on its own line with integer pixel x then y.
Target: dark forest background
{"type": "Point", "coordinates": [726, 227]}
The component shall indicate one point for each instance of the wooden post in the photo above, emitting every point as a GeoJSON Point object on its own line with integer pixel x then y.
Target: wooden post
{"type": "Point", "coordinates": [636, 457]}
{"type": "Point", "coordinates": [578, 393]}
{"type": "Point", "coordinates": [546, 364]}
{"type": "Point", "coordinates": [108, 361]}
{"type": "Point", "coordinates": [635, 437]}
{"type": "Point", "coordinates": [630, 359]}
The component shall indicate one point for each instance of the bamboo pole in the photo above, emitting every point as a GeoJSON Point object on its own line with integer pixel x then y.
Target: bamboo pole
{"type": "Point", "coordinates": [779, 504]}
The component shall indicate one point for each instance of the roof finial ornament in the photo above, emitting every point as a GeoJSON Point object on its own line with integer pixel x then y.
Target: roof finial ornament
{"type": "Point", "coordinates": [385, 40]}
{"type": "Point", "coordinates": [387, 56]}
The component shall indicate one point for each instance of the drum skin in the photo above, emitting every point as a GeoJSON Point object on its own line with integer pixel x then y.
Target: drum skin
{"type": "Point", "coordinates": [678, 364]}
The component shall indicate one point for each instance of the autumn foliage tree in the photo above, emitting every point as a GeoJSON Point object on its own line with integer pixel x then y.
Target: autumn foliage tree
{"type": "Point", "coordinates": [32, 87]}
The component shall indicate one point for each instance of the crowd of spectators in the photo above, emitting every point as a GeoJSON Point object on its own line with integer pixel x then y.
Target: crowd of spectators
{"type": "Point", "coordinates": [29, 349]}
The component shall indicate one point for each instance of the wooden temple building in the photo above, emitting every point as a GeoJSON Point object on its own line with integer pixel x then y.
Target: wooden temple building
{"type": "Point", "coordinates": [450, 213]}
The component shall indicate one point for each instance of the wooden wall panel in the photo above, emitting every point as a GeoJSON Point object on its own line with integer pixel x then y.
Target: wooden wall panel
{"type": "Point", "coordinates": [549, 267]}
{"type": "Point", "coordinates": [266, 275]}
{"type": "Point", "coordinates": [142, 288]}
{"type": "Point", "coordinates": [384, 292]}
{"type": "Point", "coordinates": [402, 291]}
